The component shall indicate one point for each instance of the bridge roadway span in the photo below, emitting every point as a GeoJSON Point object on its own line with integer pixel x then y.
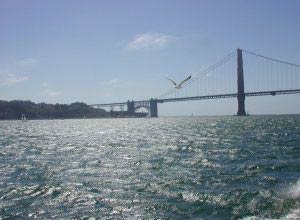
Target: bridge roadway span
{"type": "Point", "coordinates": [147, 103]}
{"type": "Point", "coordinates": [151, 104]}
{"type": "Point", "coordinates": [278, 92]}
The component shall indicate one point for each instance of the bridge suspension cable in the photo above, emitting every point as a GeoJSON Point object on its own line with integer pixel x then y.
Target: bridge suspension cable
{"type": "Point", "coordinates": [201, 74]}
{"type": "Point", "coordinates": [269, 58]}
{"type": "Point", "coordinates": [250, 74]}
{"type": "Point", "coordinates": [262, 73]}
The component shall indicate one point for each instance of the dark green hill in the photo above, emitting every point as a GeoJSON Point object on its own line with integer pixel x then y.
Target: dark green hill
{"type": "Point", "coordinates": [15, 109]}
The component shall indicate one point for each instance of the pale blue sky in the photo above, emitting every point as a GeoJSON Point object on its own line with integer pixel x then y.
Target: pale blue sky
{"type": "Point", "coordinates": [109, 51]}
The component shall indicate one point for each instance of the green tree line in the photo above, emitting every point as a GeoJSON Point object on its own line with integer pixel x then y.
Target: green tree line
{"type": "Point", "coordinates": [15, 109]}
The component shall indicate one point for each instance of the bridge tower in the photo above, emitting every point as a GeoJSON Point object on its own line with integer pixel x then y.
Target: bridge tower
{"type": "Point", "coordinates": [130, 107]}
{"type": "Point", "coordinates": [153, 108]}
{"type": "Point", "coordinates": [240, 84]}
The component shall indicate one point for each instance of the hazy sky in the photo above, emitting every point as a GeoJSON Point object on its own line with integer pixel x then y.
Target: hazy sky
{"type": "Point", "coordinates": [109, 51]}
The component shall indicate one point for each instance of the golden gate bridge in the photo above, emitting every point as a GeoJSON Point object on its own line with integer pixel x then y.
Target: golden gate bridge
{"type": "Point", "coordinates": [240, 74]}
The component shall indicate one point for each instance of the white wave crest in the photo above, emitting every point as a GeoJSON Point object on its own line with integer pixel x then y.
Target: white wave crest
{"type": "Point", "coordinates": [294, 191]}
{"type": "Point", "coordinates": [293, 215]}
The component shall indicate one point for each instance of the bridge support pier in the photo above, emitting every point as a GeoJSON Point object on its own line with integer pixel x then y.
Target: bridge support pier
{"type": "Point", "coordinates": [153, 108]}
{"type": "Point", "coordinates": [130, 107]}
{"type": "Point", "coordinates": [240, 84]}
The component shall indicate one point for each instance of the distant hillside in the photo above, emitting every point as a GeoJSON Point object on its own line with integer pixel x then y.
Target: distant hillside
{"type": "Point", "coordinates": [15, 109]}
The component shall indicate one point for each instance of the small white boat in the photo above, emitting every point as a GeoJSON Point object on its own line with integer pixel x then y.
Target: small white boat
{"type": "Point", "coordinates": [23, 117]}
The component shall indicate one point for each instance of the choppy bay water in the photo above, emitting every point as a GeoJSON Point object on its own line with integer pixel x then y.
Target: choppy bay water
{"type": "Point", "coordinates": [163, 168]}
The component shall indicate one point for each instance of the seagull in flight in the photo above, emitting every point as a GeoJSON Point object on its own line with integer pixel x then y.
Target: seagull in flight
{"type": "Point", "coordinates": [179, 85]}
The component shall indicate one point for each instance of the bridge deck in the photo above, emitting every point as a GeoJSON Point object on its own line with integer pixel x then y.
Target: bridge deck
{"type": "Point", "coordinates": [262, 93]}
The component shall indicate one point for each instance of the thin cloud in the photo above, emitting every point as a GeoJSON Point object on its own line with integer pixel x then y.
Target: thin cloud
{"type": "Point", "coordinates": [45, 85]}
{"type": "Point", "coordinates": [51, 93]}
{"type": "Point", "coordinates": [111, 83]}
{"type": "Point", "coordinates": [148, 40]}
{"type": "Point", "coordinates": [47, 92]}
{"type": "Point", "coordinates": [28, 62]}
{"type": "Point", "coordinates": [12, 79]}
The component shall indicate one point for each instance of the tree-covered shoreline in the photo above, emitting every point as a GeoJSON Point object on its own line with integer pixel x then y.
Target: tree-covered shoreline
{"type": "Point", "coordinates": [12, 110]}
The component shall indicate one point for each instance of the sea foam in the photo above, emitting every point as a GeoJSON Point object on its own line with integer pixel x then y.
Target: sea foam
{"type": "Point", "coordinates": [294, 190]}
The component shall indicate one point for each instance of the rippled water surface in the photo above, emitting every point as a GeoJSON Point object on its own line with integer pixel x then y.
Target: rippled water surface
{"type": "Point", "coordinates": [161, 168]}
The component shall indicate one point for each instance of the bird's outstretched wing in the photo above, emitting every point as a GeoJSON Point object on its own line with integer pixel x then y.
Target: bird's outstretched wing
{"type": "Point", "coordinates": [184, 81]}
{"type": "Point", "coordinates": [175, 84]}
